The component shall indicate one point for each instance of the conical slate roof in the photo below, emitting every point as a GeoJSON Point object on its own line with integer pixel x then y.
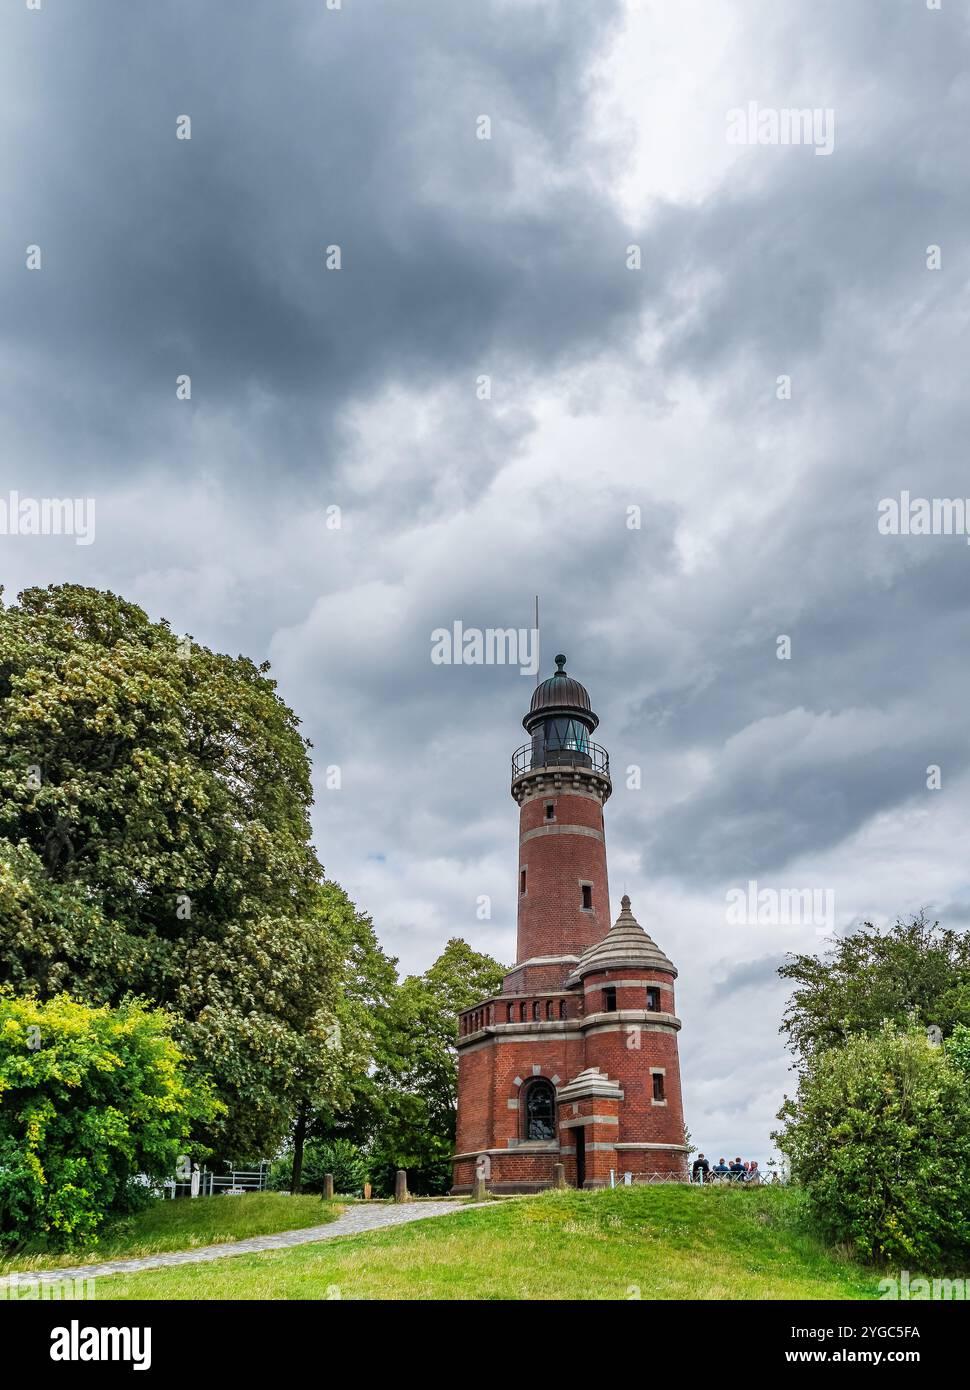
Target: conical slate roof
{"type": "Point", "coordinates": [625, 946]}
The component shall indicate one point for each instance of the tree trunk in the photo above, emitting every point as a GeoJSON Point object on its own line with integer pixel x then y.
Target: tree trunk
{"type": "Point", "coordinates": [299, 1138]}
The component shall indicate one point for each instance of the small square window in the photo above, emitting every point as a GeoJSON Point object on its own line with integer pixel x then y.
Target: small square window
{"type": "Point", "coordinates": [653, 999]}
{"type": "Point", "coordinates": [587, 897]}
{"type": "Point", "coordinates": [658, 1085]}
{"type": "Point", "coordinates": [609, 999]}
{"type": "Point", "coordinates": [550, 810]}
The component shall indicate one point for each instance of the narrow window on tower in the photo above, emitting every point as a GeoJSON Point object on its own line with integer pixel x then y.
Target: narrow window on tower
{"type": "Point", "coordinates": [653, 1000]}
{"type": "Point", "coordinates": [522, 881]}
{"type": "Point", "coordinates": [587, 897]}
{"type": "Point", "coordinates": [609, 999]}
{"type": "Point", "coordinates": [658, 1087]}
{"type": "Point", "coordinates": [550, 810]}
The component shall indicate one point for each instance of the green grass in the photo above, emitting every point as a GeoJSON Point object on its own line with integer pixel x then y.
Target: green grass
{"type": "Point", "coordinates": [647, 1242]}
{"type": "Point", "coordinates": [186, 1223]}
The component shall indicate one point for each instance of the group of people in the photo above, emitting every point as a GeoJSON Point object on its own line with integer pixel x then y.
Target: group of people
{"type": "Point", "coordinates": [735, 1171]}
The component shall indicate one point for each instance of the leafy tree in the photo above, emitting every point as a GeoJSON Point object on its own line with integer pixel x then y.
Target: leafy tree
{"type": "Point", "coordinates": [879, 1137]}
{"type": "Point", "coordinates": [958, 1051]}
{"type": "Point", "coordinates": [417, 1071]}
{"type": "Point", "coordinates": [88, 1098]}
{"type": "Point", "coordinates": [154, 800]}
{"type": "Point", "coordinates": [333, 1074]}
{"type": "Point", "coordinates": [148, 767]}
{"type": "Point", "coordinates": [337, 1156]}
{"type": "Point", "coordinates": [916, 969]}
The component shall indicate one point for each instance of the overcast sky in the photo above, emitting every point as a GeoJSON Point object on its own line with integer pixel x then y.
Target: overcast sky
{"type": "Point", "coordinates": [611, 388]}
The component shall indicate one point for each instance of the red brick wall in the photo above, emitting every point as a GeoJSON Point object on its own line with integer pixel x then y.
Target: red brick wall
{"type": "Point", "coordinates": [486, 1083]}
{"type": "Point", "coordinates": [551, 920]}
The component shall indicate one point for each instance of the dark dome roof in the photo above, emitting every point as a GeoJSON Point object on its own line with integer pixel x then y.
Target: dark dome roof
{"type": "Point", "coordinates": [559, 690]}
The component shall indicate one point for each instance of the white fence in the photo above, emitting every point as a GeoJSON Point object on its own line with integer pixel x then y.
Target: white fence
{"type": "Point", "coordinates": [233, 1182]}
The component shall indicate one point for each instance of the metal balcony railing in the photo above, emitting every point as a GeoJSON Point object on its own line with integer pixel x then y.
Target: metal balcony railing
{"type": "Point", "coordinates": [556, 753]}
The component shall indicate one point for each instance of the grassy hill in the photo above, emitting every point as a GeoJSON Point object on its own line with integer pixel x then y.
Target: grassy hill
{"type": "Point", "coordinates": [647, 1242]}
{"type": "Point", "coordinates": [182, 1225]}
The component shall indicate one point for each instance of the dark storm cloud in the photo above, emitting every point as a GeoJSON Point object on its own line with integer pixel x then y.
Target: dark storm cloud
{"type": "Point", "coordinates": [309, 128]}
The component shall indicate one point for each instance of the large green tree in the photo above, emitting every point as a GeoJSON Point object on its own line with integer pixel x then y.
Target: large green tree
{"type": "Point", "coordinates": [155, 841]}
{"type": "Point", "coordinates": [334, 1082]}
{"type": "Point", "coordinates": [879, 1137]}
{"type": "Point", "coordinates": [916, 969]}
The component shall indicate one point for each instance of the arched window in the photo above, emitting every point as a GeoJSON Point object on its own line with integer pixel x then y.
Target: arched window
{"type": "Point", "coordinates": [511, 1011]}
{"type": "Point", "coordinates": [535, 1011]}
{"type": "Point", "coordinates": [550, 1009]}
{"type": "Point", "coordinates": [562, 1008]}
{"type": "Point", "coordinates": [540, 1111]}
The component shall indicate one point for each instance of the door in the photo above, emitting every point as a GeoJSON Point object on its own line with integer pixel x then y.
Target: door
{"type": "Point", "coordinates": [580, 1133]}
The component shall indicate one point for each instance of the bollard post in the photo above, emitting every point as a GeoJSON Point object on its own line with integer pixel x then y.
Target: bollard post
{"type": "Point", "coordinates": [479, 1191]}
{"type": "Point", "coordinates": [328, 1187]}
{"type": "Point", "coordinates": [559, 1175]}
{"type": "Point", "coordinates": [401, 1186]}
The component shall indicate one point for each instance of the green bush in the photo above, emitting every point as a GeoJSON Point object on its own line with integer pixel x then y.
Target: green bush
{"type": "Point", "coordinates": [337, 1156]}
{"type": "Point", "coordinates": [879, 1136]}
{"type": "Point", "coordinates": [88, 1099]}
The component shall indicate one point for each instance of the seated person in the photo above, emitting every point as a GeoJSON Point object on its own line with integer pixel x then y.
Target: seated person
{"type": "Point", "coordinates": [721, 1168]}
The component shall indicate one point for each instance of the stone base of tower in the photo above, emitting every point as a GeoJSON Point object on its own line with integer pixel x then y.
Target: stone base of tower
{"type": "Point", "coordinates": [506, 1171]}
{"type": "Point", "coordinates": [509, 1171]}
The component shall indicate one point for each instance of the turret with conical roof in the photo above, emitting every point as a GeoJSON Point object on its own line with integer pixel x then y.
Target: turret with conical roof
{"type": "Point", "coordinates": [626, 946]}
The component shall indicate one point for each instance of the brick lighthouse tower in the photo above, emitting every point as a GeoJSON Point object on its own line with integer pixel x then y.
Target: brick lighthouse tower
{"type": "Point", "coordinates": [575, 1062]}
